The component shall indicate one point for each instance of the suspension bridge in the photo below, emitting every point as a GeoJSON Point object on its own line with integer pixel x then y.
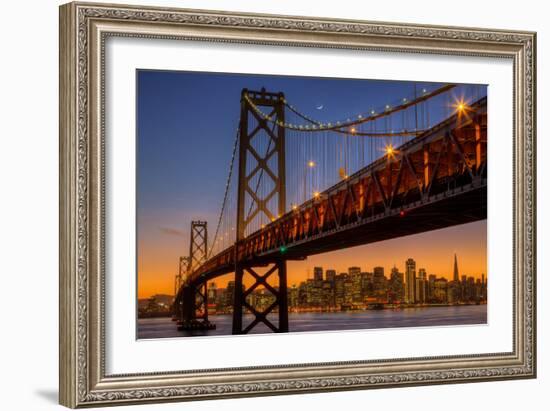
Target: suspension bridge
{"type": "Point", "coordinates": [298, 186]}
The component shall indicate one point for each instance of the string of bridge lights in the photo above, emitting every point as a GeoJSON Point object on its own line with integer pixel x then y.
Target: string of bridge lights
{"type": "Point", "coordinates": [348, 126]}
{"type": "Point", "coordinates": [353, 130]}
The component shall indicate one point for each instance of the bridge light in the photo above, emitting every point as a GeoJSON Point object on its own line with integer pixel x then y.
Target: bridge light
{"type": "Point", "coordinates": [353, 130]}
{"type": "Point", "coordinates": [390, 151]}
{"type": "Point", "coordinates": [294, 207]}
{"type": "Point", "coordinates": [316, 194]}
{"type": "Point", "coordinates": [402, 213]}
{"type": "Point", "coordinates": [262, 226]}
{"type": "Point", "coordinates": [311, 163]}
{"type": "Point", "coordinates": [461, 106]}
{"type": "Point", "coordinates": [283, 249]}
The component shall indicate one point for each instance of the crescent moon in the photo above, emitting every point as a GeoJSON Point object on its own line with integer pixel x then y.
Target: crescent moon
{"type": "Point", "coordinates": [319, 107]}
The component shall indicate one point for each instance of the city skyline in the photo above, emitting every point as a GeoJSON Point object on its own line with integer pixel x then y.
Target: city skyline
{"type": "Point", "coordinates": [352, 290]}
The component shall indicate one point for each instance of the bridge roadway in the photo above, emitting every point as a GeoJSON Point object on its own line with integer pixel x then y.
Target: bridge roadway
{"type": "Point", "coordinates": [437, 180]}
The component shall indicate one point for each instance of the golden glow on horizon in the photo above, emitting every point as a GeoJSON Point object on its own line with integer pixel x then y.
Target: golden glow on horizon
{"type": "Point", "coordinates": [434, 251]}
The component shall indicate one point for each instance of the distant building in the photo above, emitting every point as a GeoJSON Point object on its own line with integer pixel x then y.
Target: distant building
{"type": "Point", "coordinates": [327, 294]}
{"type": "Point", "coordinates": [410, 281]}
{"type": "Point", "coordinates": [212, 291]}
{"type": "Point", "coordinates": [339, 288]}
{"type": "Point", "coordinates": [380, 285]}
{"type": "Point", "coordinates": [440, 290]}
{"type": "Point", "coordinates": [397, 285]}
{"type": "Point", "coordinates": [230, 295]}
{"type": "Point", "coordinates": [367, 288]}
{"type": "Point", "coordinates": [431, 288]}
{"type": "Point", "coordinates": [455, 271]}
{"type": "Point", "coordinates": [331, 275]}
{"type": "Point", "coordinates": [356, 290]}
{"type": "Point", "coordinates": [293, 296]}
{"type": "Point", "coordinates": [318, 273]}
{"type": "Point", "coordinates": [348, 290]}
{"type": "Point", "coordinates": [420, 286]}
{"type": "Point", "coordinates": [483, 287]}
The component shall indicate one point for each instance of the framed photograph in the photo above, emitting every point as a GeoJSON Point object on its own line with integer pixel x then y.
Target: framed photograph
{"type": "Point", "coordinates": [260, 204]}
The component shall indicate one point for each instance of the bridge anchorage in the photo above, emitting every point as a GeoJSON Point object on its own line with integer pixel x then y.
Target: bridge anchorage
{"type": "Point", "coordinates": [435, 178]}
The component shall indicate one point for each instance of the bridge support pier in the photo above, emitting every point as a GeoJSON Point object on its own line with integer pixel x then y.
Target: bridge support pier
{"type": "Point", "coordinates": [279, 293]}
{"type": "Point", "coordinates": [194, 299]}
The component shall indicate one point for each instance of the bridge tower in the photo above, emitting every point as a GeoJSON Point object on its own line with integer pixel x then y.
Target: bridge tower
{"type": "Point", "coordinates": [255, 164]}
{"type": "Point", "coordinates": [194, 301]}
{"type": "Point", "coordinates": [178, 282]}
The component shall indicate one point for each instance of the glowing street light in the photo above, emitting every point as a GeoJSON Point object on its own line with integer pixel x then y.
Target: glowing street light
{"type": "Point", "coordinates": [311, 163]}
{"type": "Point", "coordinates": [316, 194]}
{"type": "Point", "coordinates": [353, 130]}
{"type": "Point", "coordinates": [390, 151]}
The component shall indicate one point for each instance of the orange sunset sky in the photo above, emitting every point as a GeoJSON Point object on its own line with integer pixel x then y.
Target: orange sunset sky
{"type": "Point", "coordinates": [159, 251]}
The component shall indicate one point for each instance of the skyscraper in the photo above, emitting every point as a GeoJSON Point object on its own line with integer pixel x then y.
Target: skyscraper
{"type": "Point", "coordinates": [318, 273]}
{"type": "Point", "coordinates": [454, 288]}
{"type": "Point", "coordinates": [379, 283]}
{"type": "Point", "coordinates": [420, 292]}
{"type": "Point", "coordinates": [331, 275]}
{"type": "Point", "coordinates": [410, 278]}
{"type": "Point", "coordinates": [397, 284]}
{"type": "Point", "coordinates": [355, 276]}
{"type": "Point", "coordinates": [455, 271]}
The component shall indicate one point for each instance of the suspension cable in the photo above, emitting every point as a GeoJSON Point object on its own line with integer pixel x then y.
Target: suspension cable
{"type": "Point", "coordinates": [338, 126]}
{"type": "Point", "coordinates": [227, 186]}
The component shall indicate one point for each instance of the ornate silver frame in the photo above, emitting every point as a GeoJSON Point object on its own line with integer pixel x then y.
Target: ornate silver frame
{"type": "Point", "coordinates": [83, 30]}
